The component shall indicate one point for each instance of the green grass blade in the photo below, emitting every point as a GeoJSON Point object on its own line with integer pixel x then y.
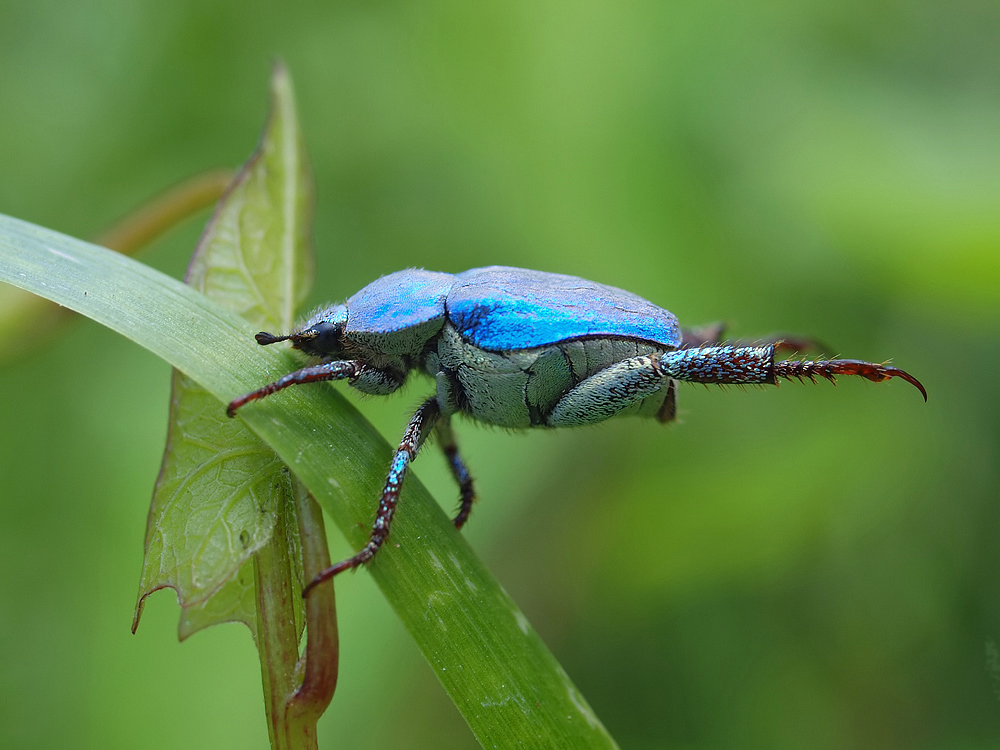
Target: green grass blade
{"type": "Point", "coordinates": [503, 679]}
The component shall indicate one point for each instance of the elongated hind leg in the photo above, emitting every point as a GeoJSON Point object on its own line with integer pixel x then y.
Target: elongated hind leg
{"type": "Point", "coordinates": [702, 336]}
{"type": "Point", "coordinates": [416, 431]}
{"type": "Point", "coordinates": [467, 493]}
{"type": "Point", "coordinates": [749, 365]}
{"type": "Point", "coordinates": [712, 333]}
{"type": "Point", "coordinates": [612, 390]}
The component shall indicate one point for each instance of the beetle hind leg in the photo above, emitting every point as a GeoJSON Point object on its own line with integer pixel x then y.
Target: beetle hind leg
{"type": "Point", "coordinates": [467, 492]}
{"type": "Point", "coordinates": [611, 391]}
{"type": "Point", "coordinates": [712, 335]}
{"type": "Point", "coordinates": [829, 369]}
{"type": "Point", "coordinates": [755, 365]}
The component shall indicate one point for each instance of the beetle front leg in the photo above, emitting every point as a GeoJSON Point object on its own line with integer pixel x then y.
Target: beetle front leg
{"type": "Point", "coordinates": [466, 491]}
{"type": "Point", "coordinates": [419, 427]}
{"type": "Point", "coordinates": [339, 370]}
{"type": "Point", "coordinates": [361, 376]}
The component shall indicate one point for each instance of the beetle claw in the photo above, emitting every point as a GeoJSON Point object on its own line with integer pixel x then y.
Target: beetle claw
{"type": "Point", "coordinates": [895, 372]}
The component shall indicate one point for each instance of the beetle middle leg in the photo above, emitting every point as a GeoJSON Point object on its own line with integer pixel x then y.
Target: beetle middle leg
{"type": "Point", "coordinates": [467, 492]}
{"type": "Point", "coordinates": [420, 425]}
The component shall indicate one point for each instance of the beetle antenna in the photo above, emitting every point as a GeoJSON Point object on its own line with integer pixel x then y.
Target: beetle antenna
{"type": "Point", "coordinates": [264, 338]}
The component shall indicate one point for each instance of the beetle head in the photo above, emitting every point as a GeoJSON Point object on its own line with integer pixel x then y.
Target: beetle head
{"type": "Point", "coordinates": [319, 337]}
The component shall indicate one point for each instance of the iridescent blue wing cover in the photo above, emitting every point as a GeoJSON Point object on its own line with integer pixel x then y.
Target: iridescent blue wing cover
{"type": "Point", "coordinates": [400, 300]}
{"type": "Point", "coordinates": [507, 309]}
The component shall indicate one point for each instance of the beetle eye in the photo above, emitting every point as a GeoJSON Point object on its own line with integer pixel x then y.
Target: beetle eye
{"type": "Point", "coordinates": [320, 339]}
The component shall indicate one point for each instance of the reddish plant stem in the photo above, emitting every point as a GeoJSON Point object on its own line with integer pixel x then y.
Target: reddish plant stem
{"type": "Point", "coordinates": [277, 635]}
{"type": "Point", "coordinates": [309, 701]}
{"type": "Point", "coordinates": [165, 211]}
{"type": "Point", "coordinates": [296, 692]}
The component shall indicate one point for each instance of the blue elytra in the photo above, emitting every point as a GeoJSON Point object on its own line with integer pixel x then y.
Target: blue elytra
{"type": "Point", "coordinates": [510, 309]}
{"type": "Point", "coordinates": [520, 348]}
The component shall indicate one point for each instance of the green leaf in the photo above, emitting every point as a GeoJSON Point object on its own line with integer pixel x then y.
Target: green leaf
{"type": "Point", "coordinates": [220, 489]}
{"type": "Point", "coordinates": [256, 253]}
{"type": "Point", "coordinates": [236, 601]}
{"type": "Point", "coordinates": [491, 662]}
{"type": "Point", "coordinates": [215, 504]}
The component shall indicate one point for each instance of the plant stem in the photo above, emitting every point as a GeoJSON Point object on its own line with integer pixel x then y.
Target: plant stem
{"type": "Point", "coordinates": [307, 704]}
{"type": "Point", "coordinates": [165, 211]}
{"type": "Point", "coordinates": [277, 636]}
{"type": "Point", "coordinates": [295, 692]}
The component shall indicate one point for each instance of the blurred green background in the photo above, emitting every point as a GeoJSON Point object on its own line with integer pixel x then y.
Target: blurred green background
{"type": "Point", "coordinates": [784, 568]}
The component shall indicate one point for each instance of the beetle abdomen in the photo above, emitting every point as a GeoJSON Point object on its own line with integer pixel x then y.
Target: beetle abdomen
{"type": "Point", "coordinates": [521, 388]}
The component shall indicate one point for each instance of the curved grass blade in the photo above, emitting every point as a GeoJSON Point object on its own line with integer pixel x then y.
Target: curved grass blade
{"type": "Point", "coordinates": [491, 662]}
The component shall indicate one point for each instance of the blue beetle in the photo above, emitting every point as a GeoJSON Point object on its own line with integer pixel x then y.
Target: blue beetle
{"type": "Point", "coordinates": [519, 348]}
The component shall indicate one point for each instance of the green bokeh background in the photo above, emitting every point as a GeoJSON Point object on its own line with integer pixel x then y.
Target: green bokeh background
{"type": "Point", "coordinates": [784, 568]}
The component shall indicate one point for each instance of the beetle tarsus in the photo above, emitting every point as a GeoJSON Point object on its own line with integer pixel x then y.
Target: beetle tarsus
{"type": "Point", "coordinates": [349, 564]}
{"type": "Point", "coordinates": [829, 369]}
{"type": "Point", "coordinates": [467, 493]}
